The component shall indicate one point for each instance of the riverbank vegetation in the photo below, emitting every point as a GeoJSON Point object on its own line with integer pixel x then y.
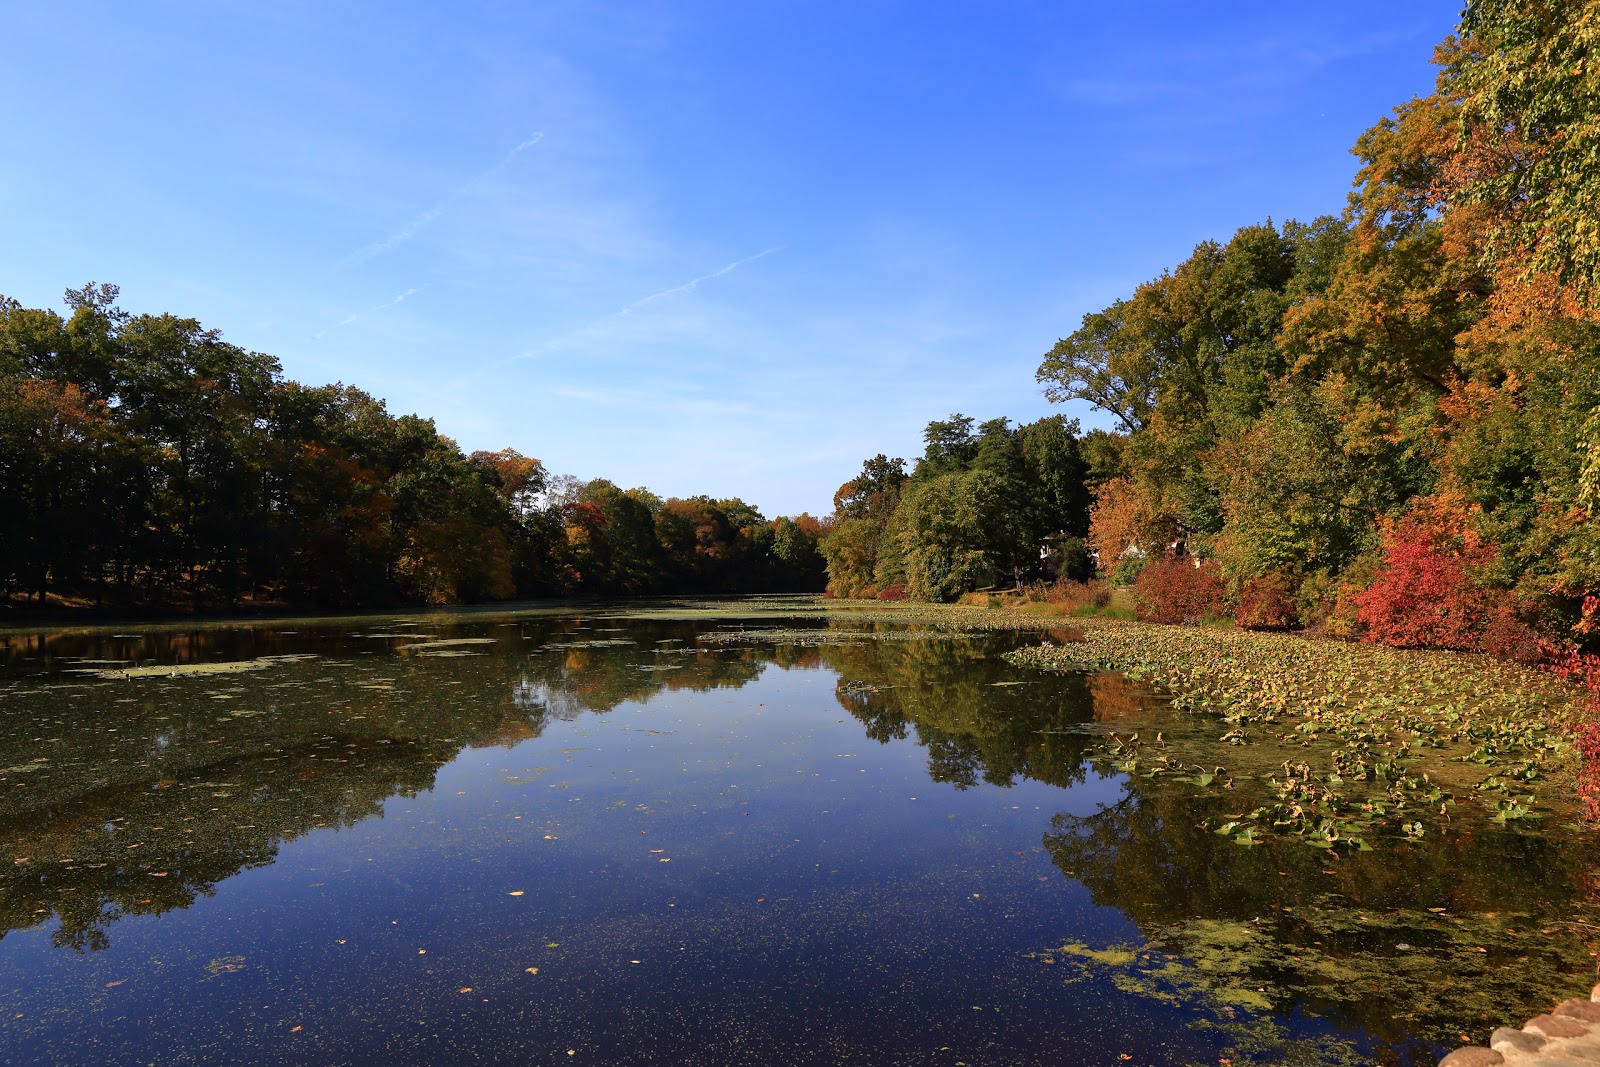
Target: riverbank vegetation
{"type": "Point", "coordinates": [146, 462]}
{"type": "Point", "coordinates": [1340, 744]}
{"type": "Point", "coordinates": [1378, 423]}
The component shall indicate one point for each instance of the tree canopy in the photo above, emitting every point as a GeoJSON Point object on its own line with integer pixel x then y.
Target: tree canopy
{"type": "Point", "coordinates": [146, 461]}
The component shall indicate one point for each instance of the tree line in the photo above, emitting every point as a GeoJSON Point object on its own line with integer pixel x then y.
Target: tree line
{"type": "Point", "coordinates": [146, 461]}
{"type": "Point", "coordinates": [985, 504]}
{"type": "Point", "coordinates": [1384, 421]}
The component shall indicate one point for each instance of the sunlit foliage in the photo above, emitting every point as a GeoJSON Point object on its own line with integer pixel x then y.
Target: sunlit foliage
{"type": "Point", "coordinates": [145, 461]}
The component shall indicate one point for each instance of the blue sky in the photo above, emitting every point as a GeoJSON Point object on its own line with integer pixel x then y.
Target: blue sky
{"type": "Point", "coordinates": [723, 248]}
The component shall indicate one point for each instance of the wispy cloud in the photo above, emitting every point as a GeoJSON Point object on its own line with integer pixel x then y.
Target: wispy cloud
{"type": "Point", "coordinates": [413, 227]}
{"type": "Point", "coordinates": [600, 327]}
{"type": "Point", "coordinates": [693, 284]}
{"type": "Point", "coordinates": [355, 316]}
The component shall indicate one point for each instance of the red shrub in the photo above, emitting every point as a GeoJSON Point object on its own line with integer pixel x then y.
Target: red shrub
{"type": "Point", "coordinates": [1266, 603]}
{"type": "Point", "coordinates": [1425, 597]}
{"type": "Point", "coordinates": [1585, 670]}
{"type": "Point", "coordinates": [1589, 750]}
{"type": "Point", "coordinates": [1077, 596]}
{"type": "Point", "coordinates": [893, 591]}
{"type": "Point", "coordinates": [1514, 633]}
{"type": "Point", "coordinates": [1176, 590]}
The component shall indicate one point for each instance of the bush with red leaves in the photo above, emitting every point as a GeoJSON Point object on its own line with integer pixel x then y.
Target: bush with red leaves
{"type": "Point", "coordinates": [1425, 597]}
{"type": "Point", "coordinates": [1178, 590]}
{"type": "Point", "coordinates": [1266, 603]}
{"type": "Point", "coordinates": [1589, 751]}
{"type": "Point", "coordinates": [1584, 668]}
{"type": "Point", "coordinates": [893, 591]}
{"type": "Point", "coordinates": [1080, 596]}
{"type": "Point", "coordinates": [1516, 633]}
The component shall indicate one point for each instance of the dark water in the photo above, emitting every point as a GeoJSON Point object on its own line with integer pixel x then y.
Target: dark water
{"type": "Point", "coordinates": [618, 838]}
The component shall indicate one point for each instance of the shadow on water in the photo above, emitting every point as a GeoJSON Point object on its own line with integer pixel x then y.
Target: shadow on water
{"type": "Point", "coordinates": [124, 798]}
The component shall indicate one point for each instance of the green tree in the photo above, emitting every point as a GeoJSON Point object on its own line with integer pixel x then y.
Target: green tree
{"type": "Point", "coordinates": [1532, 109]}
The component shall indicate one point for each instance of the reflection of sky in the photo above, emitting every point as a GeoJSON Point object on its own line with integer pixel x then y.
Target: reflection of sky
{"type": "Point", "coordinates": [348, 842]}
{"type": "Point", "coordinates": [782, 881]}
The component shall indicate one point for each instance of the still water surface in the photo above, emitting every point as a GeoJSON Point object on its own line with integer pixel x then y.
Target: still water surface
{"type": "Point", "coordinates": [622, 837]}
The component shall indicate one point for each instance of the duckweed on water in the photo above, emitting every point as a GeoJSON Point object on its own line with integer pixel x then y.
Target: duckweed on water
{"type": "Point", "coordinates": [1432, 968]}
{"type": "Point", "coordinates": [454, 642]}
{"type": "Point", "coordinates": [1364, 738]}
{"type": "Point", "coordinates": [189, 670]}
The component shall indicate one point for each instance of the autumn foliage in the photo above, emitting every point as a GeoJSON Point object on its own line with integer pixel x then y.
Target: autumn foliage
{"type": "Point", "coordinates": [1074, 596]}
{"type": "Point", "coordinates": [1266, 603]}
{"type": "Point", "coordinates": [1425, 595]}
{"type": "Point", "coordinates": [1584, 669]}
{"type": "Point", "coordinates": [1179, 590]}
{"type": "Point", "coordinates": [145, 462]}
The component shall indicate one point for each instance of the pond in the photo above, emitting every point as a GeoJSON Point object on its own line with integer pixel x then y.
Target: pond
{"type": "Point", "coordinates": [664, 836]}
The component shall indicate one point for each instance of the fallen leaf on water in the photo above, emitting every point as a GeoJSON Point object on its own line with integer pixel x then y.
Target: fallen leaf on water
{"type": "Point", "coordinates": [657, 851]}
{"type": "Point", "coordinates": [422, 952]}
{"type": "Point", "coordinates": [531, 970]}
{"type": "Point", "coordinates": [296, 1030]}
{"type": "Point", "coordinates": [341, 940]}
{"type": "Point", "coordinates": [516, 892]}
{"type": "Point", "coordinates": [464, 989]}
{"type": "Point", "coordinates": [119, 981]}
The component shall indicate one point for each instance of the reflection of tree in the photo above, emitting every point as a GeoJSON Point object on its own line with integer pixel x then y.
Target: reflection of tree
{"type": "Point", "coordinates": [966, 710]}
{"type": "Point", "coordinates": [151, 792]}
{"type": "Point", "coordinates": [1323, 933]}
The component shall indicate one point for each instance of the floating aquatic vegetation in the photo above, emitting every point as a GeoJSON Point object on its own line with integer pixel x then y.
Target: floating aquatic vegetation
{"type": "Point", "coordinates": [453, 642]}
{"type": "Point", "coordinates": [1378, 738]}
{"type": "Point", "coordinates": [812, 636]}
{"type": "Point", "coordinates": [188, 670]}
{"type": "Point", "coordinates": [598, 642]}
{"type": "Point", "coordinates": [1334, 957]}
{"type": "Point", "coordinates": [223, 965]}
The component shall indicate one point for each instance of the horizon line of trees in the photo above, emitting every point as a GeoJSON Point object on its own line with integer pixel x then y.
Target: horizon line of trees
{"type": "Point", "coordinates": [144, 461]}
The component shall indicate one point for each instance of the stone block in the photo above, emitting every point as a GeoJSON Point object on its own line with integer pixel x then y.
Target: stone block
{"type": "Point", "coordinates": [1553, 1026]}
{"type": "Point", "coordinates": [1586, 1010]}
{"type": "Point", "coordinates": [1472, 1056]}
{"type": "Point", "coordinates": [1506, 1038]}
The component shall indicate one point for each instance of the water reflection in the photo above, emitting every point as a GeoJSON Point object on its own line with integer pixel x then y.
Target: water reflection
{"type": "Point", "coordinates": [127, 798]}
{"type": "Point", "coordinates": [122, 798]}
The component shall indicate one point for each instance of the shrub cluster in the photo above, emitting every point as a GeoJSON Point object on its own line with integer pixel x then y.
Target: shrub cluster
{"type": "Point", "coordinates": [1179, 590]}
{"type": "Point", "coordinates": [1266, 603]}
